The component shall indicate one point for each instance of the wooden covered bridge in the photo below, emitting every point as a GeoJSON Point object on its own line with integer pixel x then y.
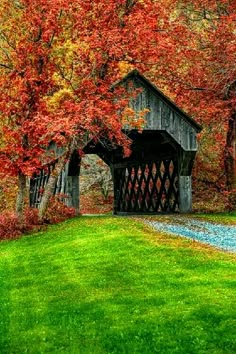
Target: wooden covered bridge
{"type": "Point", "coordinates": [156, 177]}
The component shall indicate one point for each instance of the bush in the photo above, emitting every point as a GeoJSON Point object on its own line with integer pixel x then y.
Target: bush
{"type": "Point", "coordinates": [9, 226]}
{"type": "Point", "coordinates": [230, 200]}
{"type": "Point", "coordinates": [31, 220]}
{"type": "Point", "coordinates": [57, 211]}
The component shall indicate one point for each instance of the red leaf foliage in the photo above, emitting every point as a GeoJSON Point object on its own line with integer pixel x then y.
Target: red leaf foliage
{"type": "Point", "coordinates": [11, 227]}
{"type": "Point", "coordinates": [59, 58]}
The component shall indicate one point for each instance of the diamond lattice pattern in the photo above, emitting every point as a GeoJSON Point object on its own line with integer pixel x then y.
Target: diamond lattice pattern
{"type": "Point", "coordinates": [149, 187]}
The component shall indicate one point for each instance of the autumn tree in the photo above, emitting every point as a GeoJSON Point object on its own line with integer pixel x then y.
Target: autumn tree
{"type": "Point", "coordinates": [205, 83]}
{"type": "Point", "coordinates": [24, 79]}
{"type": "Point", "coordinates": [60, 58]}
{"type": "Point", "coordinates": [58, 62]}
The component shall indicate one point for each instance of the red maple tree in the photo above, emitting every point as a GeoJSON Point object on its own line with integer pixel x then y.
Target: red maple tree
{"type": "Point", "coordinates": [203, 81]}
{"type": "Point", "coordinates": [59, 58]}
{"type": "Point", "coordinates": [213, 79]}
{"type": "Point", "coordinates": [58, 62]}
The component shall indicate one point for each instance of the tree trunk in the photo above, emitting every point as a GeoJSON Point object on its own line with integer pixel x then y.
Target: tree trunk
{"type": "Point", "coordinates": [20, 200]}
{"type": "Point", "coordinates": [52, 181]}
{"type": "Point", "coordinates": [230, 160]}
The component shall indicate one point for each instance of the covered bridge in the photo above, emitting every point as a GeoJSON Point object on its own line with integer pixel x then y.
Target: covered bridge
{"type": "Point", "coordinates": [156, 177]}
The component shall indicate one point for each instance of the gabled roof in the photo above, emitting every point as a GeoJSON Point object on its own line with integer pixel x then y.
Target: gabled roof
{"type": "Point", "coordinates": [159, 93]}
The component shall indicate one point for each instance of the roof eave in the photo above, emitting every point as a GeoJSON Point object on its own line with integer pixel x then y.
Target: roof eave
{"type": "Point", "coordinates": [136, 73]}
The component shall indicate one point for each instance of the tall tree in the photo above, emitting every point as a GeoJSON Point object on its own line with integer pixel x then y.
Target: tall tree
{"type": "Point", "coordinates": [24, 80]}
{"type": "Point", "coordinates": [205, 82]}
{"type": "Point", "coordinates": [57, 68]}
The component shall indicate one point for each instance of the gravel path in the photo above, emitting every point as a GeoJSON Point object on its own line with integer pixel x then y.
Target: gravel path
{"type": "Point", "coordinates": [217, 235]}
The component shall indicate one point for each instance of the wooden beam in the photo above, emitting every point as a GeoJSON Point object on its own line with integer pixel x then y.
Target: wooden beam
{"type": "Point", "coordinates": [75, 193]}
{"type": "Point", "coordinates": [185, 194]}
{"type": "Point", "coordinates": [186, 160]}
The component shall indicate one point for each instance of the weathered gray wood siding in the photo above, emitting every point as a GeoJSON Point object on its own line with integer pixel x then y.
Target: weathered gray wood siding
{"type": "Point", "coordinates": [185, 194]}
{"type": "Point", "coordinates": [162, 116]}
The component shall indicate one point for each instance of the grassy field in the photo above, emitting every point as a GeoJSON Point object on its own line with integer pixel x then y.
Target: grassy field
{"type": "Point", "coordinates": [226, 218]}
{"type": "Point", "coordinates": [112, 285]}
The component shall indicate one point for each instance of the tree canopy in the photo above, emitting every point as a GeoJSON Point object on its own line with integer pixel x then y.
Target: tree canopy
{"type": "Point", "coordinates": [59, 58]}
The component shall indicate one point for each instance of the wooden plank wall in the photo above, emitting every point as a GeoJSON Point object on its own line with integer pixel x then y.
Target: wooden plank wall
{"type": "Point", "coordinates": [163, 117]}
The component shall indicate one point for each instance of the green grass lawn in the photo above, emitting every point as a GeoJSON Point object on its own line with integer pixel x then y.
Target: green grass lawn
{"type": "Point", "coordinates": [112, 285]}
{"type": "Point", "coordinates": [226, 218]}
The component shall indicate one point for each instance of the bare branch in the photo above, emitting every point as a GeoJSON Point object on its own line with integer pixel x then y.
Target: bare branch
{"type": "Point", "coordinates": [6, 39]}
{"type": "Point", "coordinates": [6, 66]}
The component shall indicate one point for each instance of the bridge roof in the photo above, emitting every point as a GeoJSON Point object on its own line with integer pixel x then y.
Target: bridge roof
{"type": "Point", "coordinates": [135, 74]}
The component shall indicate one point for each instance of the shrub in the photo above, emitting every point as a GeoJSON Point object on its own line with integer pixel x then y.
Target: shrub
{"type": "Point", "coordinates": [57, 211]}
{"type": "Point", "coordinates": [10, 226]}
{"type": "Point", "coordinates": [31, 220]}
{"type": "Point", "coordinates": [230, 200]}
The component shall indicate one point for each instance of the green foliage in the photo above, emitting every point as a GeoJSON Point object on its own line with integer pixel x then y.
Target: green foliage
{"type": "Point", "coordinates": [112, 285]}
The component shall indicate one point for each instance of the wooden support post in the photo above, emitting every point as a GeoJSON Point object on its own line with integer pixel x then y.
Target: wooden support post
{"type": "Point", "coordinates": [75, 193]}
{"type": "Point", "coordinates": [112, 168]}
{"type": "Point", "coordinates": [185, 194]}
{"type": "Point", "coordinates": [73, 181]}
